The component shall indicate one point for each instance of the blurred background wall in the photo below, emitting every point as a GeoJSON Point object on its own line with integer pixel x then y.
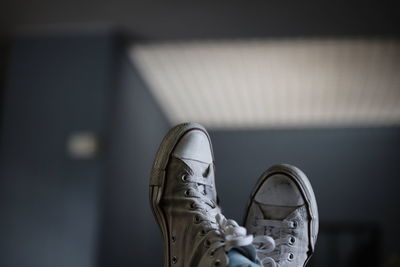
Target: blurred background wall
{"type": "Point", "coordinates": [57, 86]}
{"type": "Point", "coordinates": [68, 207]}
{"type": "Point", "coordinates": [80, 126]}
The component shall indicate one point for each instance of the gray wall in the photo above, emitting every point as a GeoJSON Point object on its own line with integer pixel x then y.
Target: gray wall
{"type": "Point", "coordinates": [59, 211]}
{"type": "Point", "coordinates": [4, 51]}
{"type": "Point", "coordinates": [355, 172]}
{"type": "Point", "coordinates": [130, 236]}
{"type": "Point", "coordinates": [49, 202]}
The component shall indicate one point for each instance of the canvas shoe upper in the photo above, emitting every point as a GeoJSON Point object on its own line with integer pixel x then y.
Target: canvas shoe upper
{"type": "Point", "coordinates": [184, 201]}
{"type": "Point", "coordinates": [283, 217]}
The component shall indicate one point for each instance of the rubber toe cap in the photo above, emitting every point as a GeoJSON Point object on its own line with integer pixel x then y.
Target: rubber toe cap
{"type": "Point", "coordinates": [194, 145]}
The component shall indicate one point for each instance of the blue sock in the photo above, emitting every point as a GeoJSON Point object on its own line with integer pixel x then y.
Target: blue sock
{"type": "Point", "coordinates": [243, 257]}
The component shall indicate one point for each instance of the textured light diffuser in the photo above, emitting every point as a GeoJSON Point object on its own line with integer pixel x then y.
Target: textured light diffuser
{"type": "Point", "coordinates": [274, 83]}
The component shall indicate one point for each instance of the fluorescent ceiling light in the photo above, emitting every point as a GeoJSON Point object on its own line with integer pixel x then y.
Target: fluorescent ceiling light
{"type": "Point", "coordinates": [274, 83]}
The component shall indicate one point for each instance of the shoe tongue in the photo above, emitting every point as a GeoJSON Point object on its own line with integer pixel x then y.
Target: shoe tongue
{"type": "Point", "coordinates": [204, 170]}
{"type": "Point", "coordinates": [198, 168]}
{"type": "Point", "coordinates": [271, 212]}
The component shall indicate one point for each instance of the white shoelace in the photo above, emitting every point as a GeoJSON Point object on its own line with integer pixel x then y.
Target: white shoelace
{"type": "Point", "coordinates": [235, 235]}
{"type": "Point", "coordinates": [223, 232]}
{"type": "Point", "coordinates": [265, 245]}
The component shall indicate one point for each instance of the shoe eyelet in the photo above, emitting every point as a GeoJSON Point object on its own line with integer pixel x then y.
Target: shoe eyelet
{"type": "Point", "coordinates": [203, 232]}
{"type": "Point", "coordinates": [207, 244]}
{"type": "Point", "coordinates": [192, 205]}
{"type": "Point", "coordinates": [187, 193]}
{"type": "Point", "coordinates": [173, 239]}
{"type": "Point", "coordinates": [174, 260]}
{"type": "Point", "coordinates": [197, 219]}
{"type": "Point", "coordinates": [217, 262]}
{"type": "Point", "coordinates": [292, 240]}
{"type": "Point", "coordinates": [294, 224]}
{"type": "Point", "coordinates": [184, 177]}
{"type": "Point", "coordinates": [291, 256]}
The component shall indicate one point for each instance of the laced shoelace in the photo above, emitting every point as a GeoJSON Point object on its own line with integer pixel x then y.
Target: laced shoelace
{"type": "Point", "coordinates": [264, 246]}
{"type": "Point", "coordinates": [267, 247]}
{"type": "Point", "coordinates": [220, 232]}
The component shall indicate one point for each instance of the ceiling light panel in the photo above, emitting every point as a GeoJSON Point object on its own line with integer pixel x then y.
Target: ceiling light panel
{"type": "Point", "coordinates": [274, 83]}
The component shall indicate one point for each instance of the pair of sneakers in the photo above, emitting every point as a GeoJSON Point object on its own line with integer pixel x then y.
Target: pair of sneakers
{"type": "Point", "coordinates": [281, 221]}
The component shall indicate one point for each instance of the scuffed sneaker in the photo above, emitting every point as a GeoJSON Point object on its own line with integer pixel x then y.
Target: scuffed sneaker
{"type": "Point", "coordinates": [283, 217]}
{"type": "Point", "coordinates": [184, 201]}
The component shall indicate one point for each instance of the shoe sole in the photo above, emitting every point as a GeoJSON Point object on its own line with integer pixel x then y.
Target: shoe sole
{"type": "Point", "coordinates": [158, 176]}
{"type": "Point", "coordinates": [306, 189]}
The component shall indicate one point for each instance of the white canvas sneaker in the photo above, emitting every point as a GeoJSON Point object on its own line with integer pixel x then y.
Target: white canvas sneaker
{"type": "Point", "coordinates": [283, 217]}
{"type": "Point", "coordinates": [184, 201]}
